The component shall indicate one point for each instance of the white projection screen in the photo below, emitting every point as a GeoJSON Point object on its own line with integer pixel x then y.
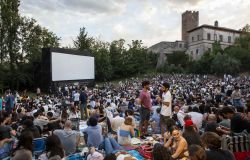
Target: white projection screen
{"type": "Point", "coordinates": [72, 67]}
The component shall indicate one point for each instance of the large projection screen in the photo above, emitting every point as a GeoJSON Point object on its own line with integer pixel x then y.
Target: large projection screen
{"type": "Point", "coordinates": [71, 67]}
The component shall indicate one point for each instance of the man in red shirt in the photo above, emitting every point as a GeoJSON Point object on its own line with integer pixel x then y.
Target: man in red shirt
{"type": "Point", "coordinates": [146, 105]}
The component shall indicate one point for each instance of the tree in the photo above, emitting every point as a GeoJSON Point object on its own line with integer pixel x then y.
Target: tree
{"type": "Point", "coordinates": [178, 58]}
{"type": "Point", "coordinates": [241, 54]}
{"type": "Point", "coordinates": [103, 67]}
{"type": "Point", "coordinates": [83, 42]}
{"type": "Point", "coordinates": [222, 64]}
{"type": "Point", "coordinates": [244, 40]}
{"type": "Point", "coordinates": [216, 48]}
{"type": "Point", "coordinates": [117, 54]}
{"type": "Point", "coordinates": [10, 22]}
{"type": "Point", "coordinates": [21, 40]}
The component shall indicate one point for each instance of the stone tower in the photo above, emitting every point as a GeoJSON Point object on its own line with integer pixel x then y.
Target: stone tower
{"type": "Point", "coordinates": [190, 20]}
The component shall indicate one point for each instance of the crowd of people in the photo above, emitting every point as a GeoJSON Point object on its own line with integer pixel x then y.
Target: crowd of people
{"type": "Point", "coordinates": [169, 116]}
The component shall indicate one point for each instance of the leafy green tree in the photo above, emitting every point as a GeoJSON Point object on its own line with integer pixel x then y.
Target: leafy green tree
{"type": "Point", "coordinates": [117, 54]}
{"type": "Point", "coordinates": [244, 40]}
{"type": "Point", "coordinates": [83, 41]}
{"type": "Point", "coordinates": [222, 64]}
{"type": "Point", "coordinates": [10, 22]}
{"type": "Point", "coordinates": [216, 48]}
{"type": "Point", "coordinates": [178, 58]}
{"type": "Point", "coordinates": [103, 67]}
{"type": "Point", "coordinates": [21, 40]}
{"type": "Point", "coordinates": [241, 54]}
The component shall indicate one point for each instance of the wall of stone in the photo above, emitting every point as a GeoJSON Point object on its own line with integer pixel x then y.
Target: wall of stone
{"type": "Point", "coordinates": [190, 20]}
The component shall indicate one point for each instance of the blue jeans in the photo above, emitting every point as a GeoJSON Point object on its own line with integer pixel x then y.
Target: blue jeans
{"type": "Point", "coordinates": [83, 110]}
{"type": "Point", "coordinates": [110, 145]}
{"type": "Point", "coordinates": [237, 103]}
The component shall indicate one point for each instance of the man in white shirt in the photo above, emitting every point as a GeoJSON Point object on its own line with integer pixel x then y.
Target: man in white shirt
{"type": "Point", "coordinates": [116, 122]}
{"type": "Point", "coordinates": [196, 117]}
{"type": "Point", "coordinates": [166, 109]}
{"type": "Point", "coordinates": [76, 98]}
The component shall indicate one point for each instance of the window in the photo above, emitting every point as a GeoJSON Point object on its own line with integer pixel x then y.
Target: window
{"type": "Point", "coordinates": [191, 52]}
{"type": "Point", "coordinates": [209, 49]}
{"type": "Point", "coordinates": [197, 51]}
{"type": "Point", "coordinates": [180, 45]}
{"type": "Point", "coordinates": [215, 37]}
{"type": "Point", "coordinates": [192, 39]}
{"type": "Point", "coordinates": [208, 36]}
{"type": "Point", "coordinates": [221, 38]}
{"type": "Point", "coordinates": [229, 39]}
{"type": "Point", "coordinates": [198, 37]}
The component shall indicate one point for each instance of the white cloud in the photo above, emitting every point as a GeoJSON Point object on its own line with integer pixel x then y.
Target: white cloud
{"type": "Point", "coordinates": [148, 20]}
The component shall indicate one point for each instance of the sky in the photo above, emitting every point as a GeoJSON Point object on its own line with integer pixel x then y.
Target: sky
{"type": "Point", "coordinates": [151, 21]}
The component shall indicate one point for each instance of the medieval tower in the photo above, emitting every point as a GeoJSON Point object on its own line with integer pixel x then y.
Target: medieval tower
{"type": "Point", "coordinates": [190, 20]}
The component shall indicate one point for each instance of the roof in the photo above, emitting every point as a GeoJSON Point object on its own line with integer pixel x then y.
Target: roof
{"type": "Point", "coordinates": [215, 28]}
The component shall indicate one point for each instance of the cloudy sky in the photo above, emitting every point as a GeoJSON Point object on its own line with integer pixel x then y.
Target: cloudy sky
{"type": "Point", "coordinates": [151, 21]}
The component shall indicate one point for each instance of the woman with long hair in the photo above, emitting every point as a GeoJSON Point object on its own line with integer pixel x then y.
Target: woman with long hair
{"type": "Point", "coordinates": [54, 149]}
{"type": "Point", "coordinates": [24, 147]}
{"type": "Point", "coordinates": [177, 143]}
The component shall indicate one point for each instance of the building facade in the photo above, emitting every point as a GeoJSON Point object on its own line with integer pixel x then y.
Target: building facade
{"type": "Point", "coordinates": [195, 39]}
{"type": "Point", "coordinates": [200, 39]}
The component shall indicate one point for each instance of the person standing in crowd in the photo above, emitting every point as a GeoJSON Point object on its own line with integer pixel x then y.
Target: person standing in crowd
{"type": "Point", "coordinates": [1, 103]}
{"type": "Point", "coordinates": [83, 104]}
{"type": "Point", "coordinates": [38, 91]}
{"type": "Point", "coordinates": [76, 98]}
{"type": "Point", "coordinates": [145, 109]}
{"type": "Point", "coordinates": [9, 102]}
{"type": "Point", "coordinates": [236, 96]}
{"type": "Point", "coordinates": [166, 109]}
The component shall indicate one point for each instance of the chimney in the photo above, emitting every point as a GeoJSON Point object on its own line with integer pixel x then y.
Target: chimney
{"type": "Point", "coordinates": [216, 24]}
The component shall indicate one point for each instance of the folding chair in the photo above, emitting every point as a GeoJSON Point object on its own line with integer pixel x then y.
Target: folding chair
{"type": "Point", "coordinates": [39, 146]}
{"type": "Point", "coordinates": [76, 156]}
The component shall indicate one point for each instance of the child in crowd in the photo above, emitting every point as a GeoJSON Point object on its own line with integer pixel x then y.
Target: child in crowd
{"type": "Point", "coordinates": [155, 122]}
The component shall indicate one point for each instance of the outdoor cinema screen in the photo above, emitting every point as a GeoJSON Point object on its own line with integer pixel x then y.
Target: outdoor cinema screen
{"type": "Point", "coordinates": [71, 67]}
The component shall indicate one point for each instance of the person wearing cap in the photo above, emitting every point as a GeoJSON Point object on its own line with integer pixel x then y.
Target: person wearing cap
{"type": "Point", "coordinates": [190, 133]}
{"type": "Point", "coordinates": [145, 109]}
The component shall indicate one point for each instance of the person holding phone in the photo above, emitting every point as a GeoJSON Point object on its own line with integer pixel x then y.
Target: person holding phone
{"type": "Point", "coordinates": [177, 144]}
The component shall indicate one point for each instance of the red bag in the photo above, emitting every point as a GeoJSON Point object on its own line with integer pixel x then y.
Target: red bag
{"type": "Point", "coordinates": [146, 151]}
{"type": "Point", "coordinates": [242, 155]}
